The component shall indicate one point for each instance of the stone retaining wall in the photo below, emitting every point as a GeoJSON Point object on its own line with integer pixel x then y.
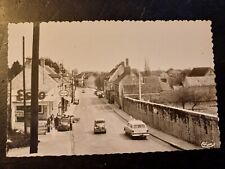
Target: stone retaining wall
{"type": "Point", "coordinates": [191, 126]}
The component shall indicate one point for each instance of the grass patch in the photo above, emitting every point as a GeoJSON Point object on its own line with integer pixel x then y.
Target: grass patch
{"type": "Point", "coordinates": [18, 139]}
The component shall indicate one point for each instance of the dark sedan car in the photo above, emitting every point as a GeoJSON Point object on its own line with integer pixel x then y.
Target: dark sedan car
{"type": "Point", "coordinates": [76, 101]}
{"type": "Point", "coordinates": [65, 124]}
{"type": "Point", "coordinates": [99, 126]}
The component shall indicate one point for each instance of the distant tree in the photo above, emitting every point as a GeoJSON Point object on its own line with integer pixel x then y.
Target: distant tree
{"type": "Point", "coordinates": [52, 64]}
{"type": "Point", "coordinates": [177, 78]}
{"type": "Point", "coordinates": [56, 67]}
{"type": "Point", "coordinates": [186, 72]}
{"type": "Point", "coordinates": [194, 96]}
{"type": "Point", "coordinates": [183, 96]}
{"type": "Point", "coordinates": [62, 68]}
{"type": "Point", "coordinates": [15, 69]}
{"type": "Point", "coordinates": [147, 71]}
{"type": "Point", "coordinates": [59, 68]}
{"type": "Point", "coordinates": [99, 82]}
{"type": "Point", "coordinates": [48, 62]}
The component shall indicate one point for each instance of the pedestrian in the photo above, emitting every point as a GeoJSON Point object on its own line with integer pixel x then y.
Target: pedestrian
{"type": "Point", "coordinates": [71, 125]}
{"type": "Point", "coordinates": [48, 124]}
{"type": "Point", "coordinates": [52, 120]}
{"type": "Point", "coordinates": [52, 117]}
{"type": "Point", "coordinates": [56, 122]}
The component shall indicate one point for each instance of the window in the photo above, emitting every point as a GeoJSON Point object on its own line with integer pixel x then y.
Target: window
{"type": "Point", "coordinates": [45, 109]}
{"type": "Point", "coordinates": [28, 108]}
{"type": "Point", "coordinates": [139, 126]}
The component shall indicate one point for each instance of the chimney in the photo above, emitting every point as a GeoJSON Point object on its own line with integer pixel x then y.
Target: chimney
{"type": "Point", "coordinates": [127, 62]}
{"type": "Point", "coordinates": [42, 62]}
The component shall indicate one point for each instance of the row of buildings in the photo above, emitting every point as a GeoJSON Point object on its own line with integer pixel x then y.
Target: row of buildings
{"type": "Point", "coordinates": [158, 86]}
{"type": "Point", "coordinates": [87, 79]}
{"type": "Point", "coordinates": [50, 84]}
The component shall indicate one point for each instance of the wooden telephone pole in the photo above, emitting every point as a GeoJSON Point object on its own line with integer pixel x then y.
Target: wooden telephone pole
{"type": "Point", "coordinates": [34, 90]}
{"type": "Point", "coordinates": [24, 90]}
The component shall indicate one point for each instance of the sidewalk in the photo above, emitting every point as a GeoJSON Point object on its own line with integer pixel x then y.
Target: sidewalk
{"type": "Point", "coordinates": [173, 141]}
{"type": "Point", "coordinates": [52, 144]}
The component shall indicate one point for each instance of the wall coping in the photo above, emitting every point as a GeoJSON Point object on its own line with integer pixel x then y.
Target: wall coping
{"type": "Point", "coordinates": [195, 113]}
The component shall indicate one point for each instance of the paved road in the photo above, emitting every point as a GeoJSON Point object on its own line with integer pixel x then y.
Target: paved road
{"type": "Point", "coordinates": [84, 141]}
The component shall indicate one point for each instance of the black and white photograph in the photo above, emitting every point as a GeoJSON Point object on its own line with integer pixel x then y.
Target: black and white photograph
{"type": "Point", "coordinates": [108, 87]}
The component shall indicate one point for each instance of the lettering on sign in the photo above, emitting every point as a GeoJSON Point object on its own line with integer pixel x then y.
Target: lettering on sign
{"type": "Point", "coordinates": [20, 96]}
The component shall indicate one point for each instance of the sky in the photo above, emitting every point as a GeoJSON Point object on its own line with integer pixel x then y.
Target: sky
{"type": "Point", "coordinates": [100, 45]}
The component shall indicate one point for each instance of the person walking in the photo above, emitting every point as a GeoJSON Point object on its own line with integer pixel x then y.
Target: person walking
{"type": "Point", "coordinates": [48, 124]}
{"type": "Point", "coordinates": [56, 122]}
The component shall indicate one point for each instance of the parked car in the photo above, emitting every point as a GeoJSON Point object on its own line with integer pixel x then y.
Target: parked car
{"type": "Point", "coordinates": [65, 124]}
{"type": "Point", "coordinates": [99, 126]}
{"type": "Point", "coordinates": [101, 95]}
{"type": "Point", "coordinates": [83, 91]}
{"type": "Point", "coordinates": [76, 101]}
{"type": "Point", "coordinates": [99, 92]}
{"type": "Point", "coordinates": [136, 128]}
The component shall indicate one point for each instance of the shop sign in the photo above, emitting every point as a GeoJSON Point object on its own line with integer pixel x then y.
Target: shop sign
{"type": "Point", "coordinates": [63, 93]}
{"type": "Point", "coordinates": [20, 96]}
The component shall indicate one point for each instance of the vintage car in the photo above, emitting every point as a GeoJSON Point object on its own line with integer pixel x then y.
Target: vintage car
{"type": "Point", "coordinates": [99, 92]}
{"type": "Point", "coordinates": [136, 128]}
{"type": "Point", "coordinates": [101, 95]}
{"type": "Point", "coordinates": [99, 126]}
{"type": "Point", "coordinates": [76, 101]}
{"type": "Point", "coordinates": [65, 124]}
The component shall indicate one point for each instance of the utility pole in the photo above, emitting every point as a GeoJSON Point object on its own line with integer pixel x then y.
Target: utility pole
{"type": "Point", "coordinates": [62, 98]}
{"type": "Point", "coordinates": [72, 82]}
{"type": "Point", "coordinates": [139, 84]}
{"type": "Point", "coordinates": [75, 87]}
{"type": "Point", "coordinates": [34, 90]}
{"type": "Point", "coordinates": [10, 105]}
{"type": "Point", "coordinates": [24, 90]}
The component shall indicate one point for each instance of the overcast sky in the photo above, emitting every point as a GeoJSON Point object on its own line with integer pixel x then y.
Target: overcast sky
{"type": "Point", "coordinates": [100, 45]}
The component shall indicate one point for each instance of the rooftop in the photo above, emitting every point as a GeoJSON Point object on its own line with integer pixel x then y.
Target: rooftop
{"type": "Point", "coordinates": [199, 71]}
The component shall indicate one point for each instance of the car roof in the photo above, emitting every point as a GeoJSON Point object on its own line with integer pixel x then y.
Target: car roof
{"type": "Point", "coordinates": [99, 119]}
{"type": "Point", "coordinates": [136, 122]}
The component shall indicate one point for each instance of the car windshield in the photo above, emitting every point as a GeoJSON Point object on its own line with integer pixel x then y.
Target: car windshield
{"type": "Point", "coordinates": [136, 126]}
{"type": "Point", "coordinates": [100, 123]}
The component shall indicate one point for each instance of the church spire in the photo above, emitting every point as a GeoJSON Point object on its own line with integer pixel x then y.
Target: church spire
{"type": "Point", "coordinates": [147, 71]}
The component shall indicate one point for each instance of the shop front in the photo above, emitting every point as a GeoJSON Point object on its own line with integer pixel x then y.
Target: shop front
{"type": "Point", "coordinates": [45, 109]}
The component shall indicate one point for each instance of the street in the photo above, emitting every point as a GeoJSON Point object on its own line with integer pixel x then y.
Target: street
{"type": "Point", "coordinates": [84, 141]}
